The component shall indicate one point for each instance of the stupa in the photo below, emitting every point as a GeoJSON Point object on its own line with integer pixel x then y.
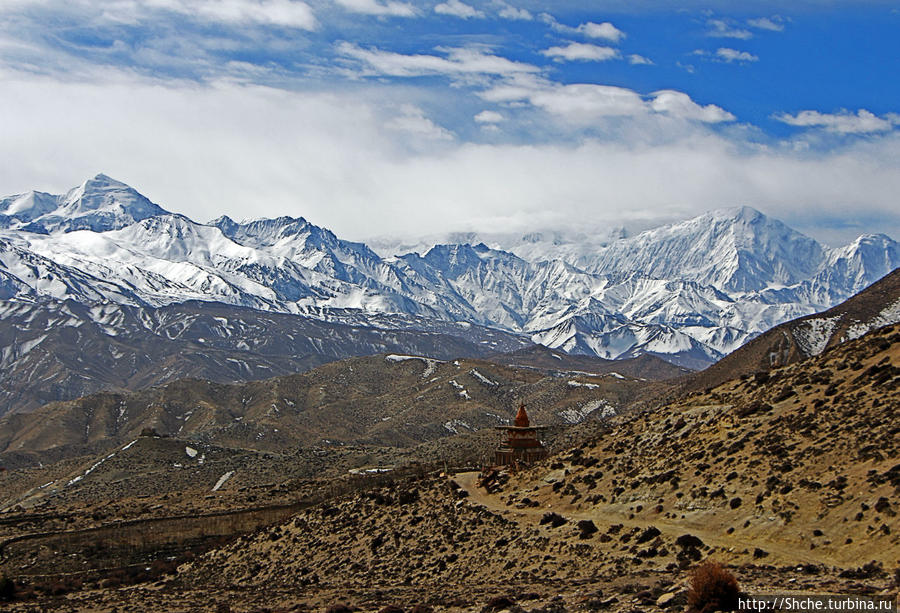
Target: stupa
{"type": "Point", "coordinates": [521, 444]}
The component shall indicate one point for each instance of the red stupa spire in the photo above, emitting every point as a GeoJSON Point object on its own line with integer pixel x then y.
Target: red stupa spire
{"type": "Point", "coordinates": [521, 417]}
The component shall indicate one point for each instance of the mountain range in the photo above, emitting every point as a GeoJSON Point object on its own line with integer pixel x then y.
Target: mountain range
{"type": "Point", "coordinates": [689, 292]}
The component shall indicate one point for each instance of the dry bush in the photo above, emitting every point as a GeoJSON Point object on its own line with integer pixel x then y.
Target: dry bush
{"type": "Point", "coordinates": [712, 588]}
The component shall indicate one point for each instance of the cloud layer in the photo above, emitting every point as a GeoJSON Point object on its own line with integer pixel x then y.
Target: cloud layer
{"type": "Point", "coordinates": [344, 162]}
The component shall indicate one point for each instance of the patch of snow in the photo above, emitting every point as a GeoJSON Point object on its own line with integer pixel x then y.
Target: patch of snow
{"type": "Point", "coordinates": [890, 315]}
{"type": "Point", "coordinates": [482, 378]}
{"type": "Point", "coordinates": [813, 335]}
{"type": "Point", "coordinates": [590, 386]}
{"type": "Point", "coordinates": [402, 358]}
{"type": "Point", "coordinates": [192, 453]}
{"type": "Point", "coordinates": [462, 392]}
{"type": "Point", "coordinates": [91, 469]}
{"type": "Point", "coordinates": [455, 424]}
{"type": "Point", "coordinates": [222, 480]}
{"type": "Point", "coordinates": [578, 415]}
{"type": "Point", "coordinates": [430, 363]}
{"type": "Point", "coordinates": [370, 471]}
{"type": "Point", "coordinates": [29, 345]}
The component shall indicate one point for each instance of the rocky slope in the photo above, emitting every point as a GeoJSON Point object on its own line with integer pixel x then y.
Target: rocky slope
{"type": "Point", "coordinates": [793, 474]}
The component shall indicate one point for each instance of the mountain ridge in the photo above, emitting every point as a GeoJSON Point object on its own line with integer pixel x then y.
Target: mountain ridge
{"type": "Point", "coordinates": [690, 292]}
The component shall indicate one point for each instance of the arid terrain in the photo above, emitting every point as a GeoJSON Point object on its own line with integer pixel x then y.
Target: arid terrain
{"type": "Point", "coordinates": [789, 477]}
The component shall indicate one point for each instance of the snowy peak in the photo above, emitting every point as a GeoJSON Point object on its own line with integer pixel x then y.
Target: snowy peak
{"type": "Point", "coordinates": [857, 265]}
{"type": "Point", "coordinates": [455, 260]}
{"type": "Point", "coordinates": [264, 232]}
{"type": "Point", "coordinates": [736, 250]}
{"type": "Point", "coordinates": [296, 239]}
{"type": "Point", "coordinates": [26, 207]}
{"type": "Point", "coordinates": [103, 194]}
{"type": "Point", "coordinates": [99, 204]}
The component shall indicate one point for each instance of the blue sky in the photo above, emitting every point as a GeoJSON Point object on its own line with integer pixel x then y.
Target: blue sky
{"type": "Point", "coordinates": [377, 117]}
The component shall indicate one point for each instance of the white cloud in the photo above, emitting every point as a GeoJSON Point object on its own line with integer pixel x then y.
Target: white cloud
{"type": "Point", "coordinates": [587, 103]}
{"type": "Point", "coordinates": [583, 52]}
{"type": "Point", "coordinates": [242, 151]}
{"type": "Point", "coordinates": [605, 30]}
{"type": "Point", "coordinates": [580, 102]}
{"type": "Point", "coordinates": [843, 122]}
{"type": "Point", "coordinates": [636, 59]}
{"type": "Point", "coordinates": [378, 7]}
{"type": "Point", "coordinates": [459, 61]}
{"type": "Point", "coordinates": [457, 9]}
{"type": "Point", "coordinates": [276, 12]}
{"type": "Point", "coordinates": [287, 13]}
{"type": "Point", "coordinates": [721, 28]}
{"type": "Point", "coordinates": [511, 12]}
{"type": "Point", "coordinates": [678, 104]}
{"type": "Point", "coordinates": [773, 24]}
{"type": "Point", "coordinates": [489, 117]}
{"type": "Point", "coordinates": [733, 55]}
{"type": "Point", "coordinates": [413, 120]}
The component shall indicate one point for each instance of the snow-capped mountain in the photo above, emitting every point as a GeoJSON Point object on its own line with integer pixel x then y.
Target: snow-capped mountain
{"type": "Point", "coordinates": [735, 250]}
{"type": "Point", "coordinates": [98, 204]}
{"type": "Point", "coordinates": [690, 292]}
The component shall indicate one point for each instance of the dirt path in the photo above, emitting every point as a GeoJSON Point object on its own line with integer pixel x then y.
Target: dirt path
{"type": "Point", "coordinates": [603, 519]}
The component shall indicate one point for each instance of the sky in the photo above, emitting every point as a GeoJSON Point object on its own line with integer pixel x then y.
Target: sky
{"type": "Point", "coordinates": [397, 118]}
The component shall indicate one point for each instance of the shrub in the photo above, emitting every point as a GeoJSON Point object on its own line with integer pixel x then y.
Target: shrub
{"type": "Point", "coordinates": [712, 588]}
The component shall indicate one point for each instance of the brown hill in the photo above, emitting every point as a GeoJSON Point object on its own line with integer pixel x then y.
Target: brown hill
{"type": "Point", "coordinates": [386, 400]}
{"type": "Point", "coordinates": [805, 337]}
